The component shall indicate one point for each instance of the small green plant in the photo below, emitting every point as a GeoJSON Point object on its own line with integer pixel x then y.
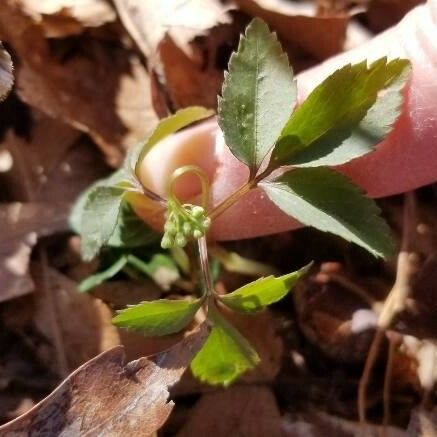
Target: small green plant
{"type": "Point", "coordinates": [342, 119]}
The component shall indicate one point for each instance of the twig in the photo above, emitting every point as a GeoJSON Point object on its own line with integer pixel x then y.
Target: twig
{"type": "Point", "coordinates": [395, 302]}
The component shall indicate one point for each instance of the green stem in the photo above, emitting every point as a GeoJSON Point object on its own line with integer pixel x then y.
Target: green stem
{"type": "Point", "coordinates": [229, 201]}
{"type": "Point", "coordinates": [237, 195]}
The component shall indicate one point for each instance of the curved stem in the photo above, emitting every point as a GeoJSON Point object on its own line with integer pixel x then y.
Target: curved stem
{"type": "Point", "coordinates": [204, 181]}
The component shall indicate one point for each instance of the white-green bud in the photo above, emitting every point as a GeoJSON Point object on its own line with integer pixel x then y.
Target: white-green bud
{"type": "Point", "coordinates": [197, 233]}
{"type": "Point", "coordinates": [180, 240]}
{"type": "Point", "coordinates": [206, 223]}
{"type": "Point", "coordinates": [197, 211]}
{"type": "Point", "coordinates": [187, 228]}
{"type": "Point", "coordinates": [166, 242]}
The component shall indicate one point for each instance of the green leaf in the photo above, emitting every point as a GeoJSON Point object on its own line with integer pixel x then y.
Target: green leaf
{"type": "Point", "coordinates": [258, 95]}
{"type": "Point", "coordinates": [117, 179]}
{"type": "Point", "coordinates": [161, 268]}
{"type": "Point", "coordinates": [345, 116]}
{"type": "Point", "coordinates": [159, 317]}
{"type": "Point", "coordinates": [165, 127]}
{"type": "Point", "coordinates": [98, 278]}
{"type": "Point", "coordinates": [130, 231]}
{"type": "Point", "coordinates": [233, 262]}
{"type": "Point", "coordinates": [328, 201]}
{"type": "Point", "coordinates": [264, 291]}
{"type": "Point", "coordinates": [225, 355]}
{"type": "Point", "coordinates": [99, 218]}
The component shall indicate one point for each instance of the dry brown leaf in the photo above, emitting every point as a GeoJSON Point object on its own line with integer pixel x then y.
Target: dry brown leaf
{"type": "Point", "coordinates": [21, 225]}
{"type": "Point", "coordinates": [107, 397]}
{"type": "Point", "coordinates": [6, 76]}
{"type": "Point", "coordinates": [149, 21]}
{"type": "Point", "coordinates": [34, 159]}
{"type": "Point", "coordinates": [321, 36]}
{"type": "Point", "coordinates": [99, 88]}
{"type": "Point", "coordinates": [60, 18]}
{"type": "Point", "coordinates": [83, 322]}
{"type": "Point", "coordinates": [240, 410]}
{"type": "Point", "coordinates": [335, 319]}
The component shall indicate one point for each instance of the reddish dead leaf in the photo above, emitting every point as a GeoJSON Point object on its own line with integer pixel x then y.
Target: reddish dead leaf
{"type": "Point", "coordinates": [61, 18]}
{"type": "Point", "coordinates": [149, 21]}
{"type": "Point", "coordinates": [240, 410]}
{"type": "Point", "coordinates": [107, 397]}
{"type": "Point", "coordinates": [6, 77]}
{"type": "Point", "coordinates": [321, 36]}
{"type": "Point", "coordinates": [99, 88]}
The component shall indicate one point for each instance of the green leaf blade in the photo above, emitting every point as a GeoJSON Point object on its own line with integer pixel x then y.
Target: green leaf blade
{"type": "Point", "coordinates": [345, 116]}
{"type": "Point", "coordinates": [258, 294]}
{"type": "Point", "coordinates": [159, 317]}
{"type": "Point", "coordinates": [258, 95]}
{"type": "Point", "coordinates": [100, 277]}
{"type": "Point", "coordinates": [166, 127]}
{"type": "Point", "coordinates": [130, 231]}
{"type": "Point", "coordinates": [328, 201]}
{"type": "Point", "coordinates": [99, 218]}
{"type": "Point", "coordinates": [225, 355]}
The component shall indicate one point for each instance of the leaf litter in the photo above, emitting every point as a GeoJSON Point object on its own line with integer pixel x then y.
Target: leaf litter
{"type": "Point", "coordinates": [94, 87]}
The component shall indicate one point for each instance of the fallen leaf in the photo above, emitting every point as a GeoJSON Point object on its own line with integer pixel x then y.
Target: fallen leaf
{"type": "Point", "coordinates": [240, 410]}
{"type": "Point", "coordinates": [149, 21]}
{"type": "Point", "coordinates": [6, 77]}
{"type": "Point", "coordinates": [21, 225]}
{"type": "Point", "coordinates": [61, 18]}
{"type": "Point", "coordinates": [83, 323]}
{"type": "Point", "coordinates": [107, 397]}
{"type": "Point", "coordinates": [99, 88]}
{"type": "Point", "coordinates": [36, 156]}
{"type": "Point", "coordinates": [194, 80]}
{"type": "Point", "coordinates": [321, 36]}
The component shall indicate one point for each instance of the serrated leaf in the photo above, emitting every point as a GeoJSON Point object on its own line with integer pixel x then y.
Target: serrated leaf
{"type": "Point", "coordinates": [99, 218]}
{"type": "Point", "coordinates": [130, 231]}
{"type": "Point", "coordinates": [264, 291]}
{"type": "Point", "coordinates": [258, 95]}
{"type": "Point", "coordinates": [345, 116]}
{"type": "Point", "coordinates": [225, 355]}
{"type": "Point", "coordinates": [116, 179]}
{"type": "Point", "coordinates": [159, 317]}
{"type": "Point", "coordinates": [100, 277]}
{"type": "Point", "coordinates": [328, 201]}
{"type": "Point", "coordinates": [165, 127]}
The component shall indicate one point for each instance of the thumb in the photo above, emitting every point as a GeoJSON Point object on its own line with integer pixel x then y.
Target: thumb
{"type": "Point", "coordinates": [405, 160]}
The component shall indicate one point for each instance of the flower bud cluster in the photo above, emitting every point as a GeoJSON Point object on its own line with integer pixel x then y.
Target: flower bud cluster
{"type": "Point", "coordinates": [183, 223]}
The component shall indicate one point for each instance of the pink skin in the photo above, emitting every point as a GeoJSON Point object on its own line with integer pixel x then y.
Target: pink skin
{"type": "Point", "coordinates": [407, 159]}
